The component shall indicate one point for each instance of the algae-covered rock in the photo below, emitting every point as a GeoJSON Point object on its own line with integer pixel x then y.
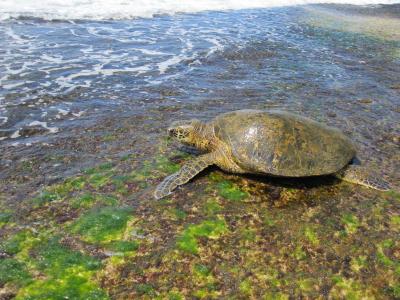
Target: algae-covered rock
{"type": "Point", "coordinates": [102, 224]}
{"type": "Point", "coordinates": [66, 287]}
{"type": "Point", "coordinates": [4, 218]}
{"type": "Point", "coordinates": [13, 271]}
{"type": "Point", "coordinates": [228, 238]}
{"type": "Point", "coordinates": [210, 229]}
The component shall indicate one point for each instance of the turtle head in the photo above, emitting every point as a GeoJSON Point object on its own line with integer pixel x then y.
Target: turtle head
{"type": "Point", "coordinates": [187, 132]}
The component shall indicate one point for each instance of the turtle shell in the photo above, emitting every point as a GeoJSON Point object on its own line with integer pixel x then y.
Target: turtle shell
{"type": "Point", "coordinates": [282, 144]}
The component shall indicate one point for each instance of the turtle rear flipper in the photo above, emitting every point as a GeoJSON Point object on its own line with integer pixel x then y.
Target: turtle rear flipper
{"type": "Point", "coordinates": [187, 172]}
{"type": "Point", "coordinates": [360, 175]}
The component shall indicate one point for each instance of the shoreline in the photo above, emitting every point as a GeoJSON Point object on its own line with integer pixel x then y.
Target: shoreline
{"type": "Point", "coordinates": [380, 24]}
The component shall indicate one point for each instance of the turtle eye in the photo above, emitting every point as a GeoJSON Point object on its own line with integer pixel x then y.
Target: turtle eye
{"type": "Point", "coordinates": [177, 133]}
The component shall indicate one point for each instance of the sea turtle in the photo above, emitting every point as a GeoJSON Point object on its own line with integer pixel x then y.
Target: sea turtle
{"type": "Point", "coordinates": [273, 143]}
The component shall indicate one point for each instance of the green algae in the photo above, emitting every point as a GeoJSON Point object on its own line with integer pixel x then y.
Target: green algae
{"type": "Point", "coordinates": [55, 259]}
{"type": "Point", "coordinates": [109, 137]}
{"type": "Point", "coordinates": [144, 172]}
{"type": "Point", "coordinates": [90, 171]}
{"type": "Point", "coordinates": [246, 287]}
{"type": "Point", "coordinates": [87, 200]}
{"type": "Point", "coordinates": [159, 166]}
{"type": "Point", "coordinates": [102, 224]}
{"type": "Point", "coordinates": [299, 253]}
{"type": "Point", "coordinates": [211, 208]}
{"type": "Point", "coordinates": [164, 165]}
{"type": "Point", "coordinates": [382, 257]}
{"type": "Point", "coordinates": [393, 194]}
{"type": "Point", "coordinates": [179, 214]}
{"type": "Point", "coordinates": [276, 296]}
{"type": "Point", "coordinates": [20, 244]}
{"type": "Point", "coordinates": [311, 235]}
{"type": "Point", "coordinates": [227, 189]}
{"type": "Point", "coordinates": [173, 213]}
{"type": "Point", "coordinates": [306, 284]}
{"type": "Point", "coordinates": [105, 166]}
{"type": "Point", "coordinates": [44, 198]}
{"type": "Point", "coordinates": [69, 185]}
{"type": "Point", "coordinates": [145, 289]}
{"type": "Point", "coordinates": [99, 180]}
{"type": "Point", "coordinates": [268, 220]}
{"type": "Point", "coordinates": [108, 200]}
{"type": "Point", "coordinates": [14, 243]}
{"type": "Point", "coordinates": [395, 222]}
{"type": "Point", "coordinates": [123, 246]}
{"type": "Point", "coordinates": [348, 288]}
{"type": "Point", "coordinates": [120, 183]}
{"type": "Point", "coordinates": [206, 293]}
{"type": "Point", "coordinates": [216, 176]}
{"type": "Point", "coordinates": [201, 270]}
{"type": "Point", "coordinates": [351, 223]}
{"type": "Point", "coordinates": [211, 229]}
{"type": "Point", "coordinates": [59, 191]}
{"type": "Point", "coordinates": [67, 273]}
{"type": "Point", "coordinates": [5, 217]}
{"type": "Point", "coordinates": [247, 234]}
{"type": "Point", "coordinates": [13, 271]}
{"type": "Point", "coordinates": [175, 296]}
{"type": "Point", "coordinates": [272, 277]}
{"type": "Point", "coordinates": [203, 278]}
{"type": "Point", "coordinates": [99, 176]}
{"type": "Point", "coordinates": [75, 286]}
{"type": "Point", "coordinates": [395, 290]}
{"type": "Point", "coordinates": [76, 182]}
{"type": "Point", "coordinates": [27, 166]}
{"type": "Point", "coordinates": [230, 191]}
{"type": "Point", "coordinates": [359, 263]}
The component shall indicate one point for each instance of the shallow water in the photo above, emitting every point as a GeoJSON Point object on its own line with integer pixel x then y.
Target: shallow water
{"type": "Point", "coordinates": [60, 76]}
{"type": "Point", "coordinates": [76, 94]}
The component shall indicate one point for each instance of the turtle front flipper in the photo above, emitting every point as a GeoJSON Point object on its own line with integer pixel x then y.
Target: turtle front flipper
{"type": "Point", "coordinates": [187, 172]}
{"type": "Point", "coordinates": [360, 175]}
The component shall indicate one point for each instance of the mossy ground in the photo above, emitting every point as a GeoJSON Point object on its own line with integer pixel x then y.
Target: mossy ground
{"type": "Point", "coordinates": [101, 235]}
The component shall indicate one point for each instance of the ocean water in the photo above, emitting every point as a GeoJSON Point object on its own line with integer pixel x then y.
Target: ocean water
{"type": "Point", "coordinates": [67, 66]}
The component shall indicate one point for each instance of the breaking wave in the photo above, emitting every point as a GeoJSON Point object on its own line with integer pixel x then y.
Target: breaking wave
{"type": "Point", "coordinates": [127, 9]}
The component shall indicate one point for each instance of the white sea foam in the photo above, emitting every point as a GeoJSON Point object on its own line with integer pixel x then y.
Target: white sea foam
{"type": "Point", "coordinates": [217, 45]}
{"type": "Point", "coordinates": [17, 39]}
{"type": "Point", "coordinates": [3, 120]}
{"type": "Point", "coordinates": [49, 58]}
{"type": "Point", "coordinates": [63, 111]}
{"type": "Point", "coordinates": [122, 9]}
{"type": "Point", "coordinates": [163, 66]}
{"type": "Point", "coordinates": [149, 52]}
{"type": "Point", "coordinates": [78, 114]}
{"type": "Point", "coordinates": [15, 135]}
{"type": "Point", "coordinates": [44, 125]}
{"type": "Point", "coordinates": [14, 85]}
